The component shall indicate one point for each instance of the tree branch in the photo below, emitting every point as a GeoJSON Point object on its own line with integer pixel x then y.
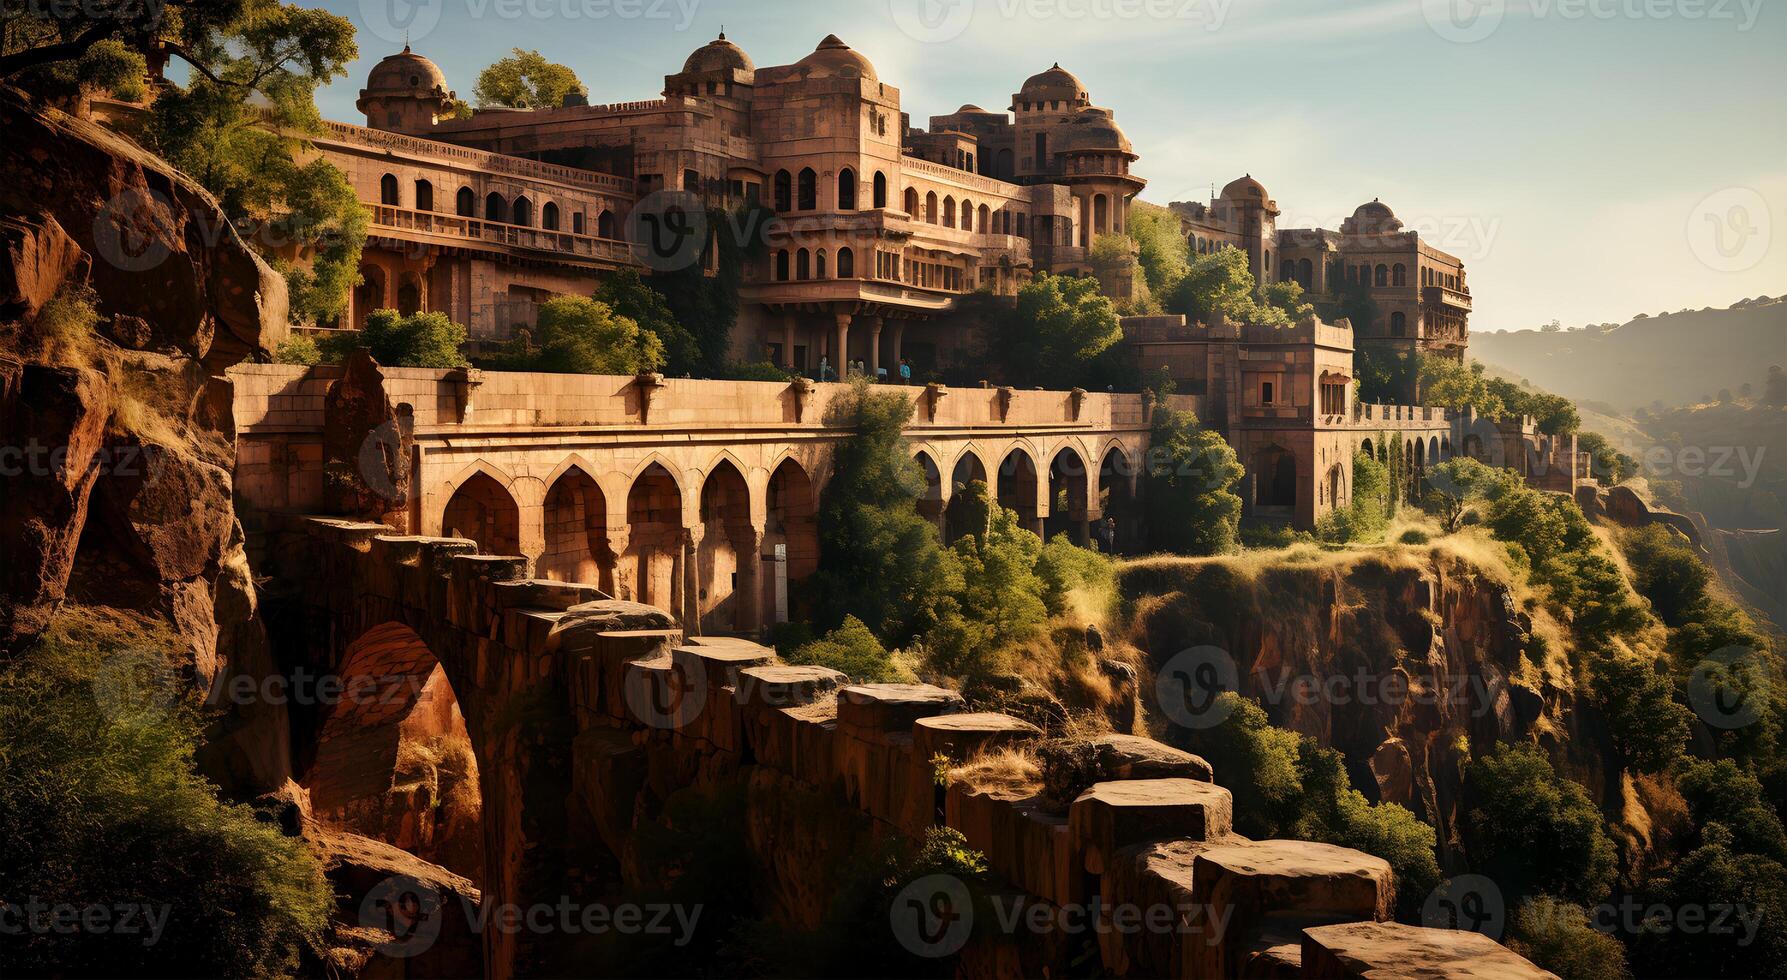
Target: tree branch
{"type": "Point", "coordinates": [65, 51]}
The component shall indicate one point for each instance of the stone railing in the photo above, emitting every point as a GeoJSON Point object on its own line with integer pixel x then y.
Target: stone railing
{"type": "Point", "coordinates": [963, 178]}
{"type": "Point", "coordinates": [407, 221]}
{"type": "Point", "coordinates": [477, 159]}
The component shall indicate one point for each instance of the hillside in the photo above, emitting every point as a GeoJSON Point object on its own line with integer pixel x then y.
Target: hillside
{"type": "Point", "coordinates": [1676, 358]}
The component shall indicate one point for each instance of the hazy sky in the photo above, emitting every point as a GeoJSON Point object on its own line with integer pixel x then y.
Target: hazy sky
{"type": "Point", "coordinates": [1588, 159]}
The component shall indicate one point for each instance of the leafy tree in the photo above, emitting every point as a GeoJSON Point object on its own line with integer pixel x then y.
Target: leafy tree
{"type": "Point", "coordinates": [707, 305]}
{"type": "Point", "coordinates": [101, 806]}
{"type": "Point", "coordinates": [420, 340]}
{"type": "Point", "coordinates": [631, 297]}
{"type": "Point", "coordinates": [49, 44]}
{"type": "Point", "coordinates": [579, 335]}
{"type": "Point", "coordinates": [1161, 249]}
{"type": "Point", "coordinates": [1647, 726]}
{"type": "Point", "coordinates": [1666, 571]}
{"type": "Point", "coordinates": [1287, 295]}
{"type": "Point", "coordinates": [1001, 600]}
{"type": "Point", "coordinates": [1452, 486]}
{"type": "Point", "coordinates": [238, 129]}
{"type": "Point", "coordinates": [1447, 383]}
{"type": "Point", "coordinates": [1060, 327]}
{"type": "Point", "coordinates": [525, 80]}
{"type": "Point", "coordinates": [1069, 571]}
{"type": "Point", "coordinates": [1607, 464]}
{"type": "Point", "coordinates": [1558, 937]}
{"type": "Point", "coordinates": [1220, 283]}
{"type": "Point", "coordinates": [1716, 877]}
{"type": "Point", "coordinates": [1722, 792]}
{"type": "Point", "coordinates": [297, 349]}
{"type": "Point", "coordinates": [1365, 518]}
{"type": "Point", "coordinates": [1533, 831]}
{"type": "Point", "coordinates": [852, 649]}
{"type": "Point", "coordinates": [880, 559]}
{"type": "Point", "coordinates": [1190, 502]}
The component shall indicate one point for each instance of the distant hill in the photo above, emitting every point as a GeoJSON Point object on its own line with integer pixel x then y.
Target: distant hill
{"type": "Point", "coordinates": [1676, 358]}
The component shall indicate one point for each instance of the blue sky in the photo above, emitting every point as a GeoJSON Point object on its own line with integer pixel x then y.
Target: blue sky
{"type": "Point", "coordinates": [1588, 159]}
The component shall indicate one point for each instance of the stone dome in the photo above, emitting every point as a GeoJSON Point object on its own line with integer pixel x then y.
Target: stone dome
{"type": "Point", "coordinates": [719, 55]}
{"type": "Point", "coordinates": [835, 58]}
{"type": "Point", "coordinates": [969, 107]}
{"type": "Point", "coordinates": [1372, 217]}
{"type": "Point", "coordinates": [406, 71]}
{"type": "Point", "coordinates": [1093, 129]}
{"type": "Point", "coordinates": [1245, 187]}
{"type": "Point", "coordinates": [1056, 83]}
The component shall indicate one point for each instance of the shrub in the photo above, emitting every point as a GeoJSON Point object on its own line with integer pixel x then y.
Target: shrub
{"type": "Point", "coordinates": [428, 340]}
{"type": "Point", "coordinates": [1647, 726]}
{"type": "Point", "coordinates": [1533, 831]}
{"type": "Point", "coordinates": [853, 650]}
{"type": "Point", "coordinates": [1190, 502]}
{"type": "Point", "coordinates": [1414, 535]}
{"type": "Point", "coordinates": [1076, 578]}
{"type": "Point", "coordinates": [1557, 936]}
{"type": "Point", "coordinates": [297, 349]}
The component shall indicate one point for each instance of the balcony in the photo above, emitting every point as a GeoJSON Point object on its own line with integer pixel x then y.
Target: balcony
{"type": "Point", "coordinates": [812, 293]}
{"type": "Point", "coordinates": [434, 150]}
{"type": "Point", "coordinates": [1457, 299]}
{"type": "Point", "coordinates": [435, 228]}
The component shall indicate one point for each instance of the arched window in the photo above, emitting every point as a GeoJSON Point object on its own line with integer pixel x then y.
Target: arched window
{"type": "Point", "coordinates": [467, 203]}
{"type": "Point", "coordinates": [549, 216]}
{"type": "Point", "coordinates": [1287, 271]}
{"type": "Point", "coordinates": [967, 215]}
{"type": "Point", "coordinates": [1400, 274]}
{"type": "Point", "coordinates": [523, 211]}
{"type": "Point", "coordinates": [819, 265]}
{"type": "Point", "coordinates": [931, 207]}
{"type": "Point", "coordinates": [911, 203]}
{"type": "Point", "coordinates": [808, 190]}
{"type": "Point", "coordinates": [495, 209]}
{"type": "Point", "coordinates": [984, 213]}
{"type": "Point", "coordinates": [1306, 273]}
{"type": "Point", "coordinates": [387, 189]}
{"type": "Point", "coordinates": [1399, 325]}
{"type": "Point", "coordinates": [576, 222]}
{"type": "Point", "coordinates": [803, 264]}
{"type": "Point", "coordinates": [784, 191]}
{"type": "Point", "coordinates": [846, 190]}
{"type": "Point", "coordinates": [424, 196]}
{"type": "Point", "coordinates": [782, 265]}
{"type": "Point", "coordinates": [605, 225]}
{"type": "Point", "coordinates": [880, 190]}
{"type": "Point", "coordinates": [846, 264]}
{"type": "Point", "coordinates": [949, 212]}
{"type": "Point", "coordinates": [1383, 275]}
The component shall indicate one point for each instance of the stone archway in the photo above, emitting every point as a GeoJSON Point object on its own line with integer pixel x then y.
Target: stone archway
{"type": "Point", "coordinates": [930, 503]}
{"type": "Point", "coordinates": [651, 566]}
{"type": "Point", "coordinates": [1068, 499]}
{"type": "Point", "coordinates": [482, 509]}
{"type": "Point", "coordinates": [393, 759]}
{"type": "Point", "coordinates": [576, 525]}
{"type": "Point", "coordinates": [725, 552]}
{"type": "Point", "coordinates": [790, 543]}
{"type": "Point", "coordinates": [961, 514]}
{"type": "Point", "coordinates": [1116, 496]}
{"type": "Point", "coordinates": [1017, 488]}
{"type": "Point", "coordinates": [1274, 477]}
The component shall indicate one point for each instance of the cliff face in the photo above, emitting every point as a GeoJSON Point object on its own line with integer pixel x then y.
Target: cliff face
{"type": "Point", "coordinates": [1402, 661]}
{"type": "Point", "coordinates": [115, 402]}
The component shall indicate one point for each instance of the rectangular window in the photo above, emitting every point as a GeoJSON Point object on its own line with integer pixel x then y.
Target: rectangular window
{"type": "Point", "coordinates": [1265, 393]}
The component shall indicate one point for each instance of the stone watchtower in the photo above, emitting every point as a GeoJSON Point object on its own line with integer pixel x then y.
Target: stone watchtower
{"type": "Point", "coordinates": [405, 93]}
{"type": "Point", "coordinates": [1247, 207]}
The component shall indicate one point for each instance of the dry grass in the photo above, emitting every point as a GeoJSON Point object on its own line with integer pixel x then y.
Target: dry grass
{"type": "Point", "coordinates": [66, 328]}
{"type": "Point", "coordinates": [1010, 770]}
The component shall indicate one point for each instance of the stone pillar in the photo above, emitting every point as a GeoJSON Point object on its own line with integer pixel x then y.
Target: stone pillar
{"type": "Point", "coordinates": [749, 599]}
{"type": "Point", "coordinates": [788, 342]}
{"type": "Point", "coordinates": [688, 579]}
{"type": "Point", "coordinates": [899, 345]}
{"type": "Point", "coordinates": [875, 348]}
{"type": "Point", "coordinates": [841, 347]}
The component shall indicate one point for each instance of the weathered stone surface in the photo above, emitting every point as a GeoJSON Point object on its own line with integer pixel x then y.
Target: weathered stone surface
{"type": "Point", "coordinates": [1393, 951]}
{"type": "Point", "coordinates": [1114, 815]}
{"type": "Point", "coordinates": [1068, 767]}
{"type": "Point", "coordinates": [956, 737]}
{"type": "Point", "coordinates": [36, 258]}
{"type": "Point", "coordinates": [875, 711]}
{"type": "Point", "coordinates": [787, 685]}
{"type": "Point", "coordinates": [375, 882]}
{"type": "Point", "coordinates": [1252, 879]}
{"type": "Point", "coordinates": [367, 446]}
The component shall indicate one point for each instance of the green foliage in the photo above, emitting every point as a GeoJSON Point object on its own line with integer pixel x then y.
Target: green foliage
{"type": "Point", "coordinates": [1548, 533]}
{"type": "Point", "coordinates": [101, 806]}
{"type": "Point", "coordinates": [297, 349]}
{"type": "Point", "coordinates": [109, 67]}
{"type": "Point", "coordinates": [1161, 250]}
{"type": "Point", "coordinates": [1220, 283]}
{"type": "Point", "coordinates": [579, 335]}
{"type": "Point", "coordinates": [631, 297]}
{"type": "Point", "coordinates": [427, 340]}
{"type": "Point", "coordinates": [1607, 464]}
{"type": "Point", "coordinates": [1074, 575]}
{"type": "Point", "coordinates": [1288, 785]}
{"type": "Point", "coordinates": [757, 371]}
{"type": "Point", "coordinates": [1001, 600]}
{"type": "Point", "coordinates": [1189, 501]}
{"type": "Point", "coordinates": [1558, 937]}
{"type": "Point", "coordinates": [880, 559]}
{"type": "Point", "coordinates": [1365, 518]}
{"type": "Point", "coordinates": [1667, 571]}
{"type": "Point", "coordinates": [1286, 295]}
{"type": "Point", "coordinates": [1058, 334]}
{"type": "Point", "coordinates": [852, 649]}
{"type": "Point", "coordinates": [1719, 877]}
{"type": "Point", "coordinates": [525, 80]}
{"type": "Point", "coordinates": [238, 129]}
{"type": "Point", "coordinates": [1722, 792]}
{"type": "Point", "coordinates": [707, 305]}
{"type": "Point", "coordinates": [1386, 376]}
{"type": "Point", "coordinates": [1533, 831]}
{"type": "Point", "coordinates": [1648, 728]}
{"type": "Point", "coordinates": [1452, 486]}
{"type": "Point", "coordinates": [1449, 384]}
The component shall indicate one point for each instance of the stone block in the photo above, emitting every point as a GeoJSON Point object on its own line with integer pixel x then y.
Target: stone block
{"type": "Point", "coordinates": [957, 737]}
{"type": "Point", "coordinates": [1393, 951]}
{"type": "Point", "coordinates": [1113, 815]}
{"type": "Point", "coordinates": [786, 685]}
{"type": "Point", "coordinates": [1251, 880]}
{"type": "Point", "coordinates": [877, 711]}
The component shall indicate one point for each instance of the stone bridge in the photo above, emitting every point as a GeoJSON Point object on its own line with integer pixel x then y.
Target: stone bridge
{"type": "Point", "coordinates": [696, 496]}
{"type": "Point", "coordinates": [587, 714]}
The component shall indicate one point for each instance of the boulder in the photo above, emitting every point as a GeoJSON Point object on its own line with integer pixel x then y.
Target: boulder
{"type": "Point", "coordinates": [36, 258]}
{"type": "Point", "coordinates": [1393, 951]}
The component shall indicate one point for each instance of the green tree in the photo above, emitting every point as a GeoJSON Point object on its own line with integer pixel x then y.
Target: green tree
{"type": "Point", "coordinates": [1058, 331]}
{"type": "Point", "coordinates": [525, 80]}
{"type": "Point", "coordinates": [1366, 516]}
{"type": "Point", "coordinates": [1716, 877]}
{"type": "Point", "coordinates": [1286, 295]}
{"type": "Point", "coordinates": [1722, 792]}
{"type": "Point", "coordinates": [239, 129]}
{"type": "Point", "coordinates": [1647, 726]}
{"type": "Point", "coordinates": [101, 806]}
{"type": "Point", "coordinates": [1533, 831]}
{"type": "Point", "coordinates": [1161, 248]}
{"type": "Point", "coordinates": [1666, 570]}
{"type": "Point", "coordinates": [1072, 575]}
{"type": "Point", "coordinates": [880, 559]}
{"type": "Point", "coordinates": [47, 44]}
{"type": "Point", "coordinates": [1449, 384]}
{"type": "Point", "coordinates": [852, 649]}
{"type": "Point", "coordinates": [579, 335]}
{"type": "Point", "coordinates": [1558, 937]}
{"type": "Point", "coordinates": [1190, 502]}
{"type": "Point", "coordinates": [1001, 600]}
{"type": "Point", "coordinates": [632, 297]}
{"type": "Point", "coordinates": [428, 340]}
{"type": "Point", "coordinates": [1220, 283]}
{"type": "Point", "coordinates": [1607, 464]}
{"type": "Point", "coordinates": [1386, 376]}
{"type": "Point", "coordinates": [297, 349]}
{"type": "Point", "coordinates": [1452, 486]}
